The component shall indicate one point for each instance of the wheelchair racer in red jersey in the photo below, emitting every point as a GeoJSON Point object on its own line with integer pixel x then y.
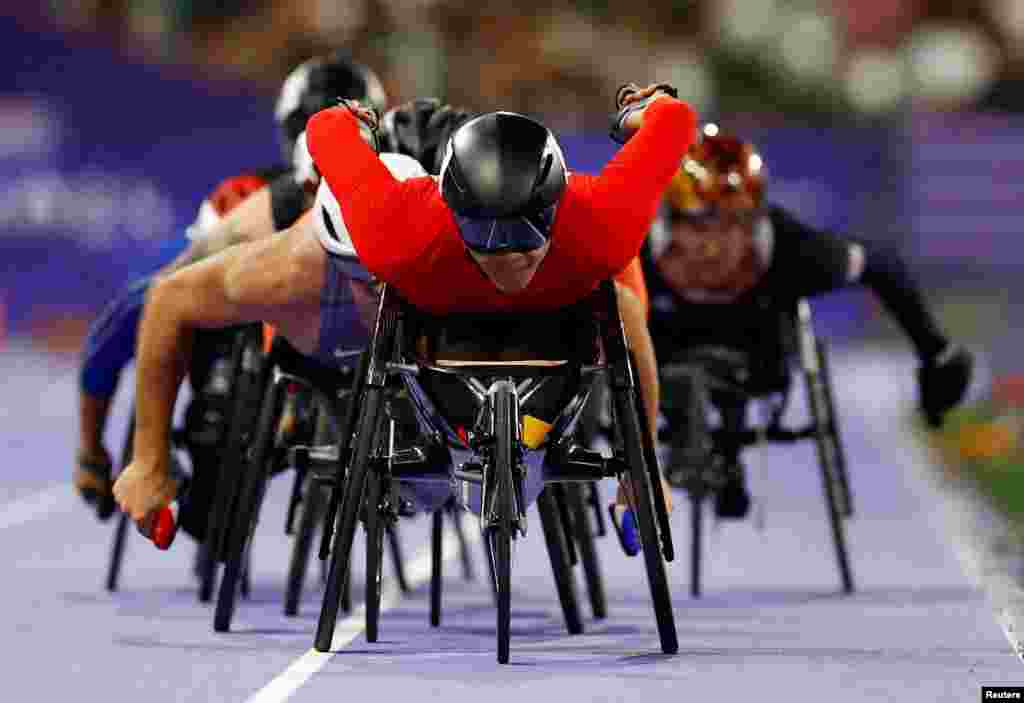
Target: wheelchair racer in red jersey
{"type": "Point", "coordinates": [504, 219]}
{"type": "Point", "coordinates": [721, 260]}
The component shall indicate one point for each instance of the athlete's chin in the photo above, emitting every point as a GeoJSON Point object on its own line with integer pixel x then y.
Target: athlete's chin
{"type": "Point", "coordinates": [514, 281]}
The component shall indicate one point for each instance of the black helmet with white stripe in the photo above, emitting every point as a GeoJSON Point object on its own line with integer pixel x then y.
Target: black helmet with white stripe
{"type": "Point", "coordinates": [318, 84]}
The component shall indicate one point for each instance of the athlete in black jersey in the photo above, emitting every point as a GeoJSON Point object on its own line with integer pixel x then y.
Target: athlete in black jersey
{"type": "Point", "coordinates": [721, 262]}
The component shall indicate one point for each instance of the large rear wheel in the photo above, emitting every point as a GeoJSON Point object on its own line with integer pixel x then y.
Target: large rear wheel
{"type": "Point", "coordinates": [556, 537]}
{"type": "Point", "coordinates": [374, 554]}
{"type": "Point", "coordinates": [311, 511]}
{"type": "Point", "coordinates": [254, 477]}
{"type": "Point", "coordinates": [436, 566]}
{"type": "Point", "coordinates": [348, 515]}
{"type": "Point", "coordinates": [831, 483]}
{"type": "Point", "coordinates": [588, 550]}
{"type": "Point", "coordinates": [121, 531]}
{"type": "Point", "coordinates": [633, 444]}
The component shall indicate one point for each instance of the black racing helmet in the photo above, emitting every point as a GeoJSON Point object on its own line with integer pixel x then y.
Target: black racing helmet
{"type": "Point", "coordinates": [502, 175]}
{"type": "Point", "coordinates": [421, 128]}
{"type": "Point", "coordinates": [403, 127]}
{"type": "Point", "coordinates": [320, 83]}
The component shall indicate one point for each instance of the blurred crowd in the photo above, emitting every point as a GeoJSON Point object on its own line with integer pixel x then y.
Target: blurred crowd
{"type": "Point", "coordinates": [849, 59]}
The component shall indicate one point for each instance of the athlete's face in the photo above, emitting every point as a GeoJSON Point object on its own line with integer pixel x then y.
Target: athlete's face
{"type": "Point", "coordinates": [511, 273]}
{"type": "Point", "coordinates": [708, 249]}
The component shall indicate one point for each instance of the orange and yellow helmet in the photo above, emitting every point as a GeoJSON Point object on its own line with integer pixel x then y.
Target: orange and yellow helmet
{"type": "Point", "coordinates": [719, 172]}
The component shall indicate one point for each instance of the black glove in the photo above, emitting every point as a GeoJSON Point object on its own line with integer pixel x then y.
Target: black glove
{"type": "Point", "coordinates": [617, 133]}
{"type": "Point", "coordinates": [943, 381]}
{"type": "Point", "coordinates": [369, 123]}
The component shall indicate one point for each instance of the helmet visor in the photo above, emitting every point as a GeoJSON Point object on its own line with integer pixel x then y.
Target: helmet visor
{"type": "Point", "coordinates": [506, 235]}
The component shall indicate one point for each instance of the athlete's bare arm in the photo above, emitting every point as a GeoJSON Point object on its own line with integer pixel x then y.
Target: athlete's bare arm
{"type": "Point", "coordinates": [275, 280]}
{"type": "Point", "coordinates": [250, 221]}
{"type": "Point", "coordinates": [634, 322]}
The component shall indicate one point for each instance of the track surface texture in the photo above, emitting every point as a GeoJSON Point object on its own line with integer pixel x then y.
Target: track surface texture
{"type": "Point", "coordinates": [771, 625]}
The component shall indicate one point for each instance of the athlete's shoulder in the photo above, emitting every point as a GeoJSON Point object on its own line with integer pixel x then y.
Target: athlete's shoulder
{"type": "Point", "coordinates": [329, 222]}
{"type": "Point", "coordinates": [225, 197]}
{"type": "Point", "coordinates": [403, 167]}
{"type": "Point", "coordinates": [786, 222]}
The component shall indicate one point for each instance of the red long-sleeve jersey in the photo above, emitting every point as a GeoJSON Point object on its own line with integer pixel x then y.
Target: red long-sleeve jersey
{"type": "Point", "coordinates": [405, 234]}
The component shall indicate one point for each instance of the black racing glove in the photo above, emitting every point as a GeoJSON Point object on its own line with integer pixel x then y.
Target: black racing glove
{"type": "Point", "coordinates": [617, 133]}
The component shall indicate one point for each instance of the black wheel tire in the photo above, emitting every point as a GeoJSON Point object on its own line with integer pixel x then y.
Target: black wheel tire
{"type": "Point", "coordinates": [255, 475]}
{"type": "Point", "coordinates": [501, 532]}
{"type": "Point", "coordinates": [207, 577]}
{"type": "Point", "coordinates": [632, 437]}
{"type": "Point", "coordinates": [829, 478]}
{"type": "Point", "coordinates": [311, 508]}
{"type": "Point", "coordinates": [436, 566]}
{"type": "Point", "coordinates": [117, 553]}
{"type": "Point", "coordinates": [501, 545]}
{"type": "Point", "coordinates": [845, 495]}
{"type": "Point", "coordinates": [227, 596]}
{"type": "Point", "coordinates": [696, 541]}
{"type": "Point", "coordinates": [374, 556]}
{"type": "Point", "coordinates": [588, 551]}
{"type": "Point", "coordinates": [121, 531]}
{"type": "Point", "coordinates": [657, 487]}
{"type": "Point", "coordinates": [246, 390]}
{"type": "Point", "coordinates": [556, 536]}
{"type": "Point", "coordinates": [245, 589]}
{"type": "Point", "coordinates": [348, 514]}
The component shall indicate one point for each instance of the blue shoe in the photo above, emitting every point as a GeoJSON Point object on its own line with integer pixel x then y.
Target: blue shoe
{"type": "Point", "coordinates": [624, 522]}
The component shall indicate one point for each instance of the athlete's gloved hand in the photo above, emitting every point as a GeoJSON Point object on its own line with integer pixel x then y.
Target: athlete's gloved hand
{"type": "Point", "coordinates": [630, 99]}
{"type": "Point", "coordinates": [943, 381]}
{"type": "Point", "coordinates": [369, 122]}
{"type": "Point", "coordinates": [93, 482]}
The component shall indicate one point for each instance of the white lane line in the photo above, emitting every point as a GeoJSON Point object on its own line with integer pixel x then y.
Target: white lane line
{"type": "Point", "coordinates": [36, 505]}
{"type": "Point", "coordinates": [285, 684]}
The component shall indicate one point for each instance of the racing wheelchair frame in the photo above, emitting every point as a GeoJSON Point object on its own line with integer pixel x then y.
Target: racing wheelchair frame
{"type": "Point", "coordinates": [481, 448]}
{"type": "Point", "coordinates": [253, 457]}
{"type": "Point", "coordinates": [729, 378]}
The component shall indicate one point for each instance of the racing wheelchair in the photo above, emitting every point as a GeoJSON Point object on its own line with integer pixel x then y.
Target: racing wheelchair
{"type": "Point", "coordinates": [728, 377]}
{"type": "Point", "coordinates": [496, 399]}
{"type": "Point", "coordinates": [256, 452]}
{"type": "Point", "coordinates": [215, 377]}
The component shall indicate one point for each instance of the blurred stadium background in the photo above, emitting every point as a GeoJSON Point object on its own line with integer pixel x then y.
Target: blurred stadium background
{"type": "Point", "coordinates": [895, 120]}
